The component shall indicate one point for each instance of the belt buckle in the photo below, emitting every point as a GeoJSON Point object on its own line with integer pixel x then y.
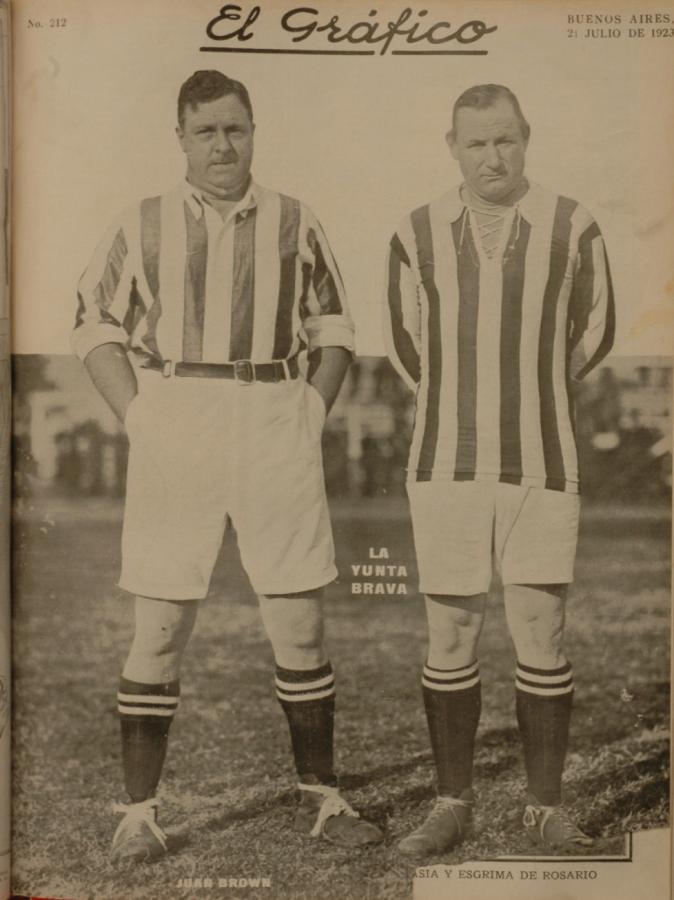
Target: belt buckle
{"type": "Point", "coordinates": [167, 368]}
{"type": "Point", "coordinates": [244, 371]}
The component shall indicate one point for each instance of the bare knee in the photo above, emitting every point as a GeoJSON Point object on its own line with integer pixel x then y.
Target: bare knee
{"type": "Point", "coordinates": [536, 616]}
{"type": "Point", "coordinates": [454, 626]}
{"type": "Point", "coordinates": [458, 631]}
{"type": "Point", "coordinates": [162, 631]}
{"type": "Point", "coordinates": [294, 625]}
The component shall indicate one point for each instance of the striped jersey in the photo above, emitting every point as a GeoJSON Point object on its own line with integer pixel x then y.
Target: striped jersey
{"type": "Point", "coordinates": [172, 280]}
{"type": "Point", "coordinates": [492, 346]}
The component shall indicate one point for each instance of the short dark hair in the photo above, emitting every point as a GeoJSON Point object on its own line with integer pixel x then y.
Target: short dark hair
{"type": "Point", "coordinates": [206, 85]}
{"type": "Point", "coordinates": [482, 96]}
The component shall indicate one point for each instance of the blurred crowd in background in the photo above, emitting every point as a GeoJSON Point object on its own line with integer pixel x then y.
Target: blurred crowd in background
{"type": "Point", "coordinates": [66, 440]}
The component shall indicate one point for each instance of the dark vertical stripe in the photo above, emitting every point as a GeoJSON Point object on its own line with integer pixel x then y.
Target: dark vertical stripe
{"type": "Point", "coordinates": [196, 259]}
{"type": "Point", "coordinates": [559, 256]}
{"type": "Point", "coordinates": [150, 239]}
{"type": "Point", "coordinates": [243, 287]}
{"type": "Point", "coordinates": [511, 334]}
{"type": "Point", "coordinates": [287, 248]}
{"type": "Point", "coordinates": [136, 309]}
{"type": "Point", "coordinates": [402, 342]}
{"type": "Point", "coordinates": [580, 303]}
{"type": "Point", "coordinates": [609, 328]}
{"type": "Point", "coordinates": [104, 292]}
{"type": "Point", "coordinates": [580, 306]}
{"type": "Point", "coordinates": [468, 277]}
{"type": "Point", "coordinates": [306, 284]}
{"type": "Point", "coordinates": [421, 224]}
{"type": "Point", "coordinates": [81, 310]}
{"type": "Point", "coordinates": [323, 281]}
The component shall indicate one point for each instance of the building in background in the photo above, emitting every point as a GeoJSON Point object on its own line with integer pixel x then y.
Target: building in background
{"type": "Point", "coordinates": [67, 440]}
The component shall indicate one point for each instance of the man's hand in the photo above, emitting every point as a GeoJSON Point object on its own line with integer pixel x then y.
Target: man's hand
{"type": "Point", "coordinates": [327, 368]}
{"type": "Point", "coordinates": [113, 376]}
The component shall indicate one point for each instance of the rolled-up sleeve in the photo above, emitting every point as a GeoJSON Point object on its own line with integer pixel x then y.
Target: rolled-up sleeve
{"type": "Point", "coordinates": [592, 305]}
{"type": "Point", "coordinates": [402, 318]}
{"type": "Point", "coordinates": [104, 295]}
{"type": "Point", "coordinates": [323, 306]}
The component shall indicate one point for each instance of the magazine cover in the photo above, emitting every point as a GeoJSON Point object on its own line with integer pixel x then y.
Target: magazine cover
{"type": "Point", "coordinates": [342, 449]}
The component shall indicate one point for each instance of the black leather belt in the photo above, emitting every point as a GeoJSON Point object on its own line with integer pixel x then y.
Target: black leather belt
{"type": "Point", "coordinates": [244, 371]}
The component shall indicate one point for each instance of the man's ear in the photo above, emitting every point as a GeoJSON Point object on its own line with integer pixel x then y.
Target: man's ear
{"type": "Point", "coordinates": [451, 143]}
{"type": "Point", "coordinates": [181, 137]}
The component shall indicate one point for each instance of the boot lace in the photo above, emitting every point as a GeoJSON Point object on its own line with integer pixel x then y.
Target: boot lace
{"type": "Point", "coordinates": [443, 805]}
{"type": "Point", "coordinates": [539, 816]}
{"type": "Point", "coordinates": [440, 808]}
{"type": "Point", "coordinates": [136, 815]}
{"type": "Point", "coordinates": [333, 805]}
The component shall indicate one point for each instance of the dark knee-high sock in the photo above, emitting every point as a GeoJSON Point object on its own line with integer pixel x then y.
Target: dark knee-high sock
{"type": "Point", "coordinates": [452, 699]}
{"type": "Point", "coordinates": [544, 699]}
{"type": "Point", "coordinates": [146, 712]}
{"type": "Point", "coordinates": [307, 697]}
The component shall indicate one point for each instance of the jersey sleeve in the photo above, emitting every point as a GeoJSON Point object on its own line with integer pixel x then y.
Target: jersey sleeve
{"type": "Point", "coordinates": [104, 295]}
{"type": "Point", "coordinates": [592, 305]}
{"type": "Point", "coordinates": [402, 318]}
{"type": "Point", "coordinates": [323, 306]}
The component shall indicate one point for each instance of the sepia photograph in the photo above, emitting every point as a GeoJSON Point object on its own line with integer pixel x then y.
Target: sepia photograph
{"type": "Point", "coordinates": [227, 790]}
{"type": "Point", "coordinates": [341, 444]}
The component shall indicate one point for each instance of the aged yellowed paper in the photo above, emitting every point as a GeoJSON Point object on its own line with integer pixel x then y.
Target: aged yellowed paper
{"type": "Point", "coordinates": [5, 477]}
{"type": "Point", "coordinates": [207, 289]}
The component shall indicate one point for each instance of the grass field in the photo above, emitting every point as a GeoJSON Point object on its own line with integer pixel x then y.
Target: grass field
{"type": "Point", "coordinates": [227, 794]}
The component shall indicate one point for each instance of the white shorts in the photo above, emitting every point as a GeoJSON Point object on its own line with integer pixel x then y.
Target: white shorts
{"type": "Point", "coordinates": [203, 450]}
{"type": "Point", "coordinates": [458, 526]}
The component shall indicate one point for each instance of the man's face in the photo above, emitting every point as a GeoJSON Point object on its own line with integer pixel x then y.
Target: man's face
{"type": "Point", "coordinates": [217, 139]}
{"type": "Point", "coordinates": [490, 148]}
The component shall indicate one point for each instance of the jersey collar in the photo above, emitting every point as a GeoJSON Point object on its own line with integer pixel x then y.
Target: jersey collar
{"type": "Point", "coordinates": [455, 205]}
{"type": "Point", "coordinates": [196, 201]}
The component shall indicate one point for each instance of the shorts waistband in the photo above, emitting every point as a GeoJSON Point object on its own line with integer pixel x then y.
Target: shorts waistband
{"type": "Point", "coordinates": [243, 371]}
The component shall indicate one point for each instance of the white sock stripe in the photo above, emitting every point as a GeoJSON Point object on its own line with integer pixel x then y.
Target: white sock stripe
{"type": "Point", "coordinates": [450, 674]}
{"type": "Point", "coordinates": [304, 685]}
{"type": "Point", "coordinates": [544, 679]}
{"type": "Point", "coordinates": [458, 681]}
{"type": "Point", "coordinates": [158, 699]}
{"type": "Point", "coordinates": [296, 698]}
{"type": "Point", "coordinates": [544, 691]}
{"type": "Point", "coordinates": [145, 710]}
{"type": "Point", "coordinates": [449, 686]}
